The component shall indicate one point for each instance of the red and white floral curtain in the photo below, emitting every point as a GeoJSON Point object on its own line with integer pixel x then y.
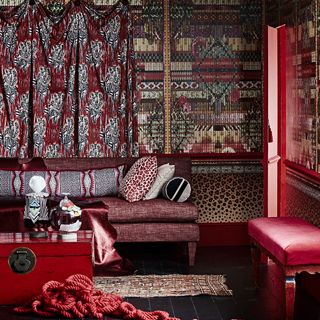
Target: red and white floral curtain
{"type": "Point", "coordinates": [67, 85]}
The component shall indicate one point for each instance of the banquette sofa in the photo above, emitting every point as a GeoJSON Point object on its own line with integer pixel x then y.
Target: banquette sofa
{"type": "Point", "coordinates": [155, 220]}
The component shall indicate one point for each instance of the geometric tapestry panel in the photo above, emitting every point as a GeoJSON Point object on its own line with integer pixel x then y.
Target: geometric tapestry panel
{"type": "Point", "coordinates": [213, 99]}
{"type": "Point", "coordinates": [216, 83]}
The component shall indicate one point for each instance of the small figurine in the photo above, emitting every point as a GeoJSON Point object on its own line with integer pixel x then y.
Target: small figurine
{"type": "Point", "coordinates": [66, 218]}
{"type": "Point", "coordinates": [36, 215]}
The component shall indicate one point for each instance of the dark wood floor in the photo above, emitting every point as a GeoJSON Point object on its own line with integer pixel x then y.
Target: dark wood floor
{"type": "Point", "coordinates": [247, 302]}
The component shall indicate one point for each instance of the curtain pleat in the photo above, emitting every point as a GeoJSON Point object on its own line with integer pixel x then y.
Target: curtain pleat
{"type": "Point", "coordinates": [67, 85]}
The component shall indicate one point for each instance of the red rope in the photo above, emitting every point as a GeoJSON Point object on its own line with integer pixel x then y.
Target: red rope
{"type": "Point", "coordinates": [76, 298]}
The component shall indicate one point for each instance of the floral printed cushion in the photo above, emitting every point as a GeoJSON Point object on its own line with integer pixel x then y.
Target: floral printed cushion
{"type": "Point", "coordinates": [139, 179]}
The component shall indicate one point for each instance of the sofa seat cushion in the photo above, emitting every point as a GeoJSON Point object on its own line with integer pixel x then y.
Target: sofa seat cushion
{"type": "Point", "coordinates": [154, 232]}
{"type": "Point", "coordinates": [155, 210]}
{"type": "Point", "coordinates": [292, 241]}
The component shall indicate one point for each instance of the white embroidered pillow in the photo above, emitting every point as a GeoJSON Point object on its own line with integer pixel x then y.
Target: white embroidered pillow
{"type": "Point", "coordinates": [165, 173]}
{"type": "Point", "coordinates": [139, 179]}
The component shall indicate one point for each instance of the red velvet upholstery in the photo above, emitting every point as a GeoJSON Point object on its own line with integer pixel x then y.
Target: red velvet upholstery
{"type": "Point", "coordinates": [292, 241]}
{"type": "Point", "coordinates": [11, 216]}
{"type": "Point", "coordinates": [10, 164]}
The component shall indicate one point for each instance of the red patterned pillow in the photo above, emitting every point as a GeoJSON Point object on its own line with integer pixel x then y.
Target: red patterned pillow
{"type": "Point", "coordinates": [139, 179]}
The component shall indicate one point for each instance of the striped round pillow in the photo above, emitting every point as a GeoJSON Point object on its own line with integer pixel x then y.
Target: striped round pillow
{"type": "Point", "coordinates": [177, 189]}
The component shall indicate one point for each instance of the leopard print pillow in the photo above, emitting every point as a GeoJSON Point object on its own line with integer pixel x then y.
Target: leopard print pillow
{"type": "Point", "coordinates": [139, 179]}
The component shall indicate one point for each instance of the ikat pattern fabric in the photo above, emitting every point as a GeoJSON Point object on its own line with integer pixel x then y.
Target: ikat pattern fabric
{"type": "Point", "coordinates": [10, 183]}
{"type": "Point", "coordinates": [16, 183]}
{"type": "Point", "coordinates": [90, 183]}
{"type": "Point", "coordinates": [67, 82]}
{"type": "Point", "coordinates": [139, 179]}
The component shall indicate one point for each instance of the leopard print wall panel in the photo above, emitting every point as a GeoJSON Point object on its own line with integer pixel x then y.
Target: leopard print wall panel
{"type": "Point", "coordinates": [227, 193]}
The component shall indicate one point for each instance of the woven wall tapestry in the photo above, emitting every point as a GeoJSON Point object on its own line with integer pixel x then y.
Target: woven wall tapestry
{"type": "Point", "coordinates": [199, 75]}
{"type": "Point", "coordinates": [67, 82]}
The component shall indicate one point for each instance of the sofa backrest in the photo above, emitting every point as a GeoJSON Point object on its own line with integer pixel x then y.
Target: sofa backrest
{"type": "Point", "coordinates": [182, 164]}
{"type": "Point", "coordinates": [10, 164]}
{"type": "Point", "coordinates": [19, 172]}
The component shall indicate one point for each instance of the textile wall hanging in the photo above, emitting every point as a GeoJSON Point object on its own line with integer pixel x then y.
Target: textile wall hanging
{"type": "Point", "coordinates": [67, 81]}
{"type": "Point", "coordinates": [199, 75]}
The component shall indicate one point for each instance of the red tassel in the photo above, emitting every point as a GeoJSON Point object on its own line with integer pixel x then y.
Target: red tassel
{"type": "Point", "coordinates": [270, 135]}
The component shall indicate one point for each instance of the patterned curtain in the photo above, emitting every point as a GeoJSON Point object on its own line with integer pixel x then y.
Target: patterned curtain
{"type": "Point", "coordinates": [67, 87]}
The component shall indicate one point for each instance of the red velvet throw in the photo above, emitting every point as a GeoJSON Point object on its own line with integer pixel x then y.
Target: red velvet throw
{"type": "Point", "coordinates": [76, 298]}
{"type": "Point", "coordinates": [107, 260]}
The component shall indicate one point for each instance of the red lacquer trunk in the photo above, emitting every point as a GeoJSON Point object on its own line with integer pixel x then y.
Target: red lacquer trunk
{"type": "Point", "coordinates": [53, 259]}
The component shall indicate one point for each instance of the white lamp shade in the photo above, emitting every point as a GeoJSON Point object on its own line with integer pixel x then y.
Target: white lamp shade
{"type": "Point", "coordinates": [37, 183]}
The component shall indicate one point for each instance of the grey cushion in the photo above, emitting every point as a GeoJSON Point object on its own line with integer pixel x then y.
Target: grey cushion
{"type": "Point", "coordinates": [90, 183]}
{"type": "Point", "coordinates": [7, 185]}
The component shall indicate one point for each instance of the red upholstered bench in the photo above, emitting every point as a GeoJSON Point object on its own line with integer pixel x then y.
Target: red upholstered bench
{"type": "Point", "coordinates": [292, 243]}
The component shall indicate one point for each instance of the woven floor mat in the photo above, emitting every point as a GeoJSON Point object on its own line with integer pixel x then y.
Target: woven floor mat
{"type": "Point", "coordinates": [164, 285]}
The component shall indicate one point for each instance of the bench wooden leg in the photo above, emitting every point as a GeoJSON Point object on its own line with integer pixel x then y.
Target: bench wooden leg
{"type": "Point", "coordinates": [290, 291]}
{"type": "Point", "coordinates": [256, 259]}
{"type": "Point", "coordinates": [192, 247]}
